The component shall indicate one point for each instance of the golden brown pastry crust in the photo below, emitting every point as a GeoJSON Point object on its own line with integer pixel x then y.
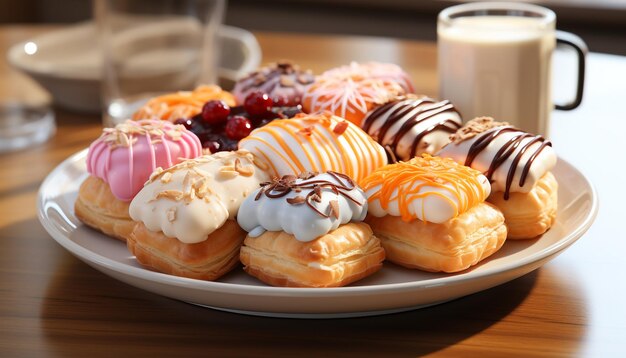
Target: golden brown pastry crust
{"type": "Point", "coordinates": [206, 260]}
{"type": "Point", "coordinates": [449, 247]}
{"type": "Point", "coordinates": [528, 215]}
{"type": "Point", "coordinates": [97, 207]}
{"type": "Point", "coordinates": [347, 254]}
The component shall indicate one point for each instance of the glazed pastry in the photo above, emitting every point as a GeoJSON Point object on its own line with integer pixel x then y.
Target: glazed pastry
{"type": "Point", "coordinates": [186, 215]}
{"type": "Point", "coordinates": [307, 232]}
{"type": "Point", "coordinates": [518, 166]}
{"type": "Point", "coordinates": [120, 162]}
{"type": "Point", "coordinates": [183, 104]}
{"type": "Point", "coordinates": [351, 91]}
{"type": "Point", "coordinates": [319, 143]}
{"type": "Point", "coordinates": [376, 70]}
{"type": "Point", "coordinates": [429, 214]}
{"type": "Point", "coordinates": [411, 125]}
{"type": "Point", "coordinates": [283, 82]}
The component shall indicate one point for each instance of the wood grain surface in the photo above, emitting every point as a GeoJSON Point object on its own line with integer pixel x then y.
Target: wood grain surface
{"type": "Point", "coordinates": [52, 304]}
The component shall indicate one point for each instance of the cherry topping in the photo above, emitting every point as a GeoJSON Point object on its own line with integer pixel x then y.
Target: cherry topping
{"type": "Point", "coordinates": [258, 103]}
{"type": "Point", "coordinates": [214, 112]}
{"type": "Point", "coordinates": [213, 145]}
{"type": "Point", "coordinates": [238, 127]}
{"type": "Point", "coordinates": [188, 123]}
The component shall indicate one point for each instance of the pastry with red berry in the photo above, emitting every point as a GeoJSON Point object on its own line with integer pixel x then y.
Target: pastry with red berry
{"type": "Point", "coordinates": [182, 104]}
{"type": "Point", "coordinates": [284, 82]}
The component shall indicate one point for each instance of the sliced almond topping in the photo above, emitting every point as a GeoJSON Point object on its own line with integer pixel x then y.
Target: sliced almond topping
{"type": "Point", "coordinates": [175, 195]}
{"type": "Point", "coordinates": [334, 208]}
{"type": "Point", "coordinates": [171, 214]}
{"type": "Point", "coordinates": [227, 172]}
{"type": "Point", "coordinates": [296, 200]}
{"type": "Point", "coordinates": [166, 177]}
{"type": "Point", "coordinates": [340, 128]}
{"type": "Point", "coordinates": [246, 171]}
{"type": "Point", "coordinates": [307, 131]}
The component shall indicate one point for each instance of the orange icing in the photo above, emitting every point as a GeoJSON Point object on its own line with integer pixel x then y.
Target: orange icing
{"type": "Point", "coordinates": [409, 178]}
{"type": "Point", "coordinates": [352, 152]}
{"type": "Point", "coordinates": [173, 106]}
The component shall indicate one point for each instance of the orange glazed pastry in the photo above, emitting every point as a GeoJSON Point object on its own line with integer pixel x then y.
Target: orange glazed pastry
{"type": "Point", "coordinates": [352, 91]}
{"type": "Point", "coordinates": [430, 214]}
{"type": "Point", "coordinates": [517, 165]}
{"type": "Point", "coordinates": [315, 143]}
{"type": "Point", "coordinates": [183, 104]}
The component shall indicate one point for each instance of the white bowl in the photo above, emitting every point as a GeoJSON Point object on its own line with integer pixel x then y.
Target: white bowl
{"type": "Point", "coordinates": [68, 65]}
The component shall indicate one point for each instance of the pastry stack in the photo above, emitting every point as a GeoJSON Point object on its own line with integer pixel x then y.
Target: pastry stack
{"type": "Point", "coordinates": [315, 181]}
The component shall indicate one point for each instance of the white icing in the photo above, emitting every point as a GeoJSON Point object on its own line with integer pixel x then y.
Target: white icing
{"type": "Point", "coordinates": [543, 163]}
{"type": "Point", "coordinates": [276, 214]}
{"type": "Point", "coordinates": [321, 151]}
{"type": "Point", "coordinates": [437, 208]}
{"type": "Point", "coordinates": [203, 209]}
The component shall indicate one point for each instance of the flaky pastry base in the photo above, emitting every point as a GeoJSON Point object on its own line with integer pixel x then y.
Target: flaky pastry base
{"type": "Point", "coordinates": [207, 260]}
{"type": "Point", "coordinates": [452, 246]}
{"type": "Point", "coordinates": [528, 215]}
{"type": "Point", "coordinates": [345, 255]}
{"type": "Point", "coordinates": [97, 207]}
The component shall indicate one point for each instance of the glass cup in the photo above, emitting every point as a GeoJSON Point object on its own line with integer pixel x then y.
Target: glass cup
{"type": "Point", "coordinates": [151, 47]}
{"type": "Point", "coordinates": [495, 59]}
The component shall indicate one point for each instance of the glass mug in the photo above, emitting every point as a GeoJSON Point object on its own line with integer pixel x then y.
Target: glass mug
{"type": "Point", "coordinates": [495, 59]}
{"type": "Point", "coordinates": [151, 47]}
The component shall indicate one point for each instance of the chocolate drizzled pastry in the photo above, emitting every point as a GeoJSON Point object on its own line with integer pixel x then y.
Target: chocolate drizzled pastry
{"type": "Point", "coordinates": [280, 187]}
{"type": "Point", "coordinates": [411, 125]}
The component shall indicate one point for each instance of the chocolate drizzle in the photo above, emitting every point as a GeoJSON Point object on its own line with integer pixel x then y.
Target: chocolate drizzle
{"type": "Point", "coordinates": [280, 187]}
{"type": "Point", "coordinates": [420, 110]}
{"type": "Point", "coordinates": [506, 151]}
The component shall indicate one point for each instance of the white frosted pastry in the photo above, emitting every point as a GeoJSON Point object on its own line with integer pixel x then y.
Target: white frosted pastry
{"type": "Point", "coordinates": [194, 198]}
{"type": "Point", "coordinates": [315, 143]}
{"type": "Point", "coordinates": [308, 206]}
{"type": "Point", "coordinates": [409, 126]}
{"type": "Point", "coordinates": [427, 188]}
{"type": "Point", "coordinates": [511, 159]}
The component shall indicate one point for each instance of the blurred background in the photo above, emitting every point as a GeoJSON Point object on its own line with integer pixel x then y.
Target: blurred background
{"type": "Point", "coordinates": [602, 23]}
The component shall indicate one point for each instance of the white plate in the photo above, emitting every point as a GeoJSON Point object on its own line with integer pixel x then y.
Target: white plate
{"type": "Point", "coordinates": [68, 65]}
{"type": "Point", "coordinates": [392, 289]}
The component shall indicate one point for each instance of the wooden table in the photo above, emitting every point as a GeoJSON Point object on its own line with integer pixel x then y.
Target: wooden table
{"type": "Point", "coordinates": [52, 304]}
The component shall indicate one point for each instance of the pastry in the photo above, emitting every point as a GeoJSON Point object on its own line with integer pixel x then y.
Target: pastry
{"type": "Point", "coordinates": [376, 70]}
{"type": "Point", "coordinates": [518, 166]}
{"type": "Point", "coordinates": [283, 82]}
{"type": "Point", "coordinates": [182, 104]}
{"type": "Point", "coordinates": [429, 214]}
{"type": "Point", "coordinates": [409, 126]}
{"type": "Point", "coordinates": [319, 143]}
{"type": "Point", "coordinates": [220, 127]}
{"type": "Point", "coordinates": [352, 91]}
{"type": "Point", "coordinates": [186, 215]}
{"type": "Point", "coordinates": [120, 162]}
{"type": "Point", "coordinates": [306, 231]}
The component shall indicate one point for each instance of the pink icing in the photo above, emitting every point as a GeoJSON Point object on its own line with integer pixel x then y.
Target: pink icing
{"type": "Point", "coordinates": [125, 156]}
{"type": "Point", "coordinates": [374, 70]}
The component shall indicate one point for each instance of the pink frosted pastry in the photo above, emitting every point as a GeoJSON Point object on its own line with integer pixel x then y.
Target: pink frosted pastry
{"type": "Point", "coordinates": [283, 82]}
{"type": "Point", "coordinates": [352, 91]}
{"type": "Point", "coordinates": [376, 70]}
{"type": "Point", "coordinates": [120, 162]}
{"type": "Point", "coordinates": [125, 156]}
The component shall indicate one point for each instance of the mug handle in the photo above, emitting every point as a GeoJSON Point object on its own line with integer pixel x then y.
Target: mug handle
{"type": "Point", "coordinates": [575, 42]}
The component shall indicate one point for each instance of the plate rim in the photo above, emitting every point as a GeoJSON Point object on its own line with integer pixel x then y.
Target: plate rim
{"type": "Point", "coordinates": [244, 289]}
